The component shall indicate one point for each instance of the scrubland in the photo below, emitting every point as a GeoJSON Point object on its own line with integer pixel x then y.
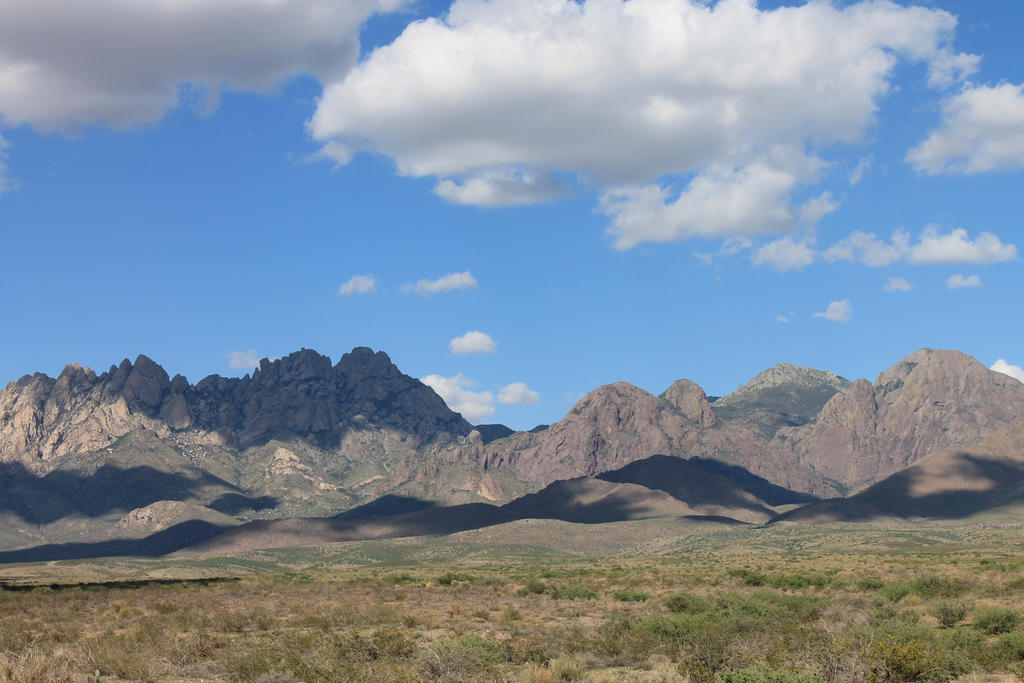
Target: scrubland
{"type": "Point", "coordinates": [735, 613]}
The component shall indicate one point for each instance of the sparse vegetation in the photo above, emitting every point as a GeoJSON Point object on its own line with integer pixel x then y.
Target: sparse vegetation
{"type": "Point", "coordinates": [720, 613]}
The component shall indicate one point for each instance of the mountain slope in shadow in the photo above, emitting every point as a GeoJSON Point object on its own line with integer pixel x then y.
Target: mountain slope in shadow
{"type": "Point", "coordinates": [953, 484]}
{"type": "Point", "coordinates": [687, 490]}
{"type": "Point", "coordinates": [681, 490]}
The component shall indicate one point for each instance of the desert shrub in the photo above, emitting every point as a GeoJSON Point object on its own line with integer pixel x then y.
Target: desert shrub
{"type": "Point", "coordinates": [448, 578]}
{"type": "Point", "coordinates": [894, 592]}
{"type": "Point", "coordinates": [869, 583]}
{"type": "Point", "coordinates": [996, 620]}
{"type": "Point", "coordinates": [764, 675]}
{"type": "Point", "coordinates": [797, 580]}
{"type": "Point", "coordinates": [568, 668]}
{"type": "Point", "coordinates": [402, 579]}
{"type": "Point", "coordinates": [685, 602]}
{"type": "Point", "coordinates": [622, 642]}
{"type": "Point", "coordinates": [510, 614]}
{"type": "Point", "coordinates": [704, 644]}
{"type": "Point", "coordinates": [949, 612]}
{"type": "Point", "coordinates": [626, 595]}
{"type": "Point", "coordinates": [932, 586]}
{"type": "Point", "coordinates": [1010, 646]}
{"type": "Point", "coordinates": [572, 591]}
{"type": "Point", "coordinates": [455, 659]}
{"type": "Point", "coordinates": [536, 587]}
{"type": "Point", "coordinates": [897, 657]}
{"type": "Point", "coordinates": [750, 578]}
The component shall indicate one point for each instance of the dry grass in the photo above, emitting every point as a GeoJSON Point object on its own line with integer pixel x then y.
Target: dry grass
{"type": "Point", "coordinates": [752, 617]}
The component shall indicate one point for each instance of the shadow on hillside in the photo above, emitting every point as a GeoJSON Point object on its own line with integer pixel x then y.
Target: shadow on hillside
{"type": "Point", "coordinates": [705, 481]}
{"type": "Point", "coordinates": [121, 584]}
{"type": "Point", "coordinates": [387, 506]}
{"type": "Point", "coordinates": [973, 485]}
{"type": "Point", "coordinates": [59, 494]}
{"type": "Point", "coordinates": [161, 543]}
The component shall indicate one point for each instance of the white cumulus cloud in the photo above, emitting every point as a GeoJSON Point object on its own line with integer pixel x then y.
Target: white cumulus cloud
{"type": "Point", "coordinates": [837, 311]}
{"type": "Point", "coordinates": [932, 247]}
{"type": "Point", "coordinates": [518, 394]}
{"type": "Point", "coordinates": [956, 247]}
{"type": "Point", "coordinates": [473, 342]}
{"type": "Point", "coordinates": [446, 283]}
{"type": "Point", "coordinates": [722, 200]}
{"type": "Point", "coordinates": [1015, 371]}
{"type": "Point", "coordinates": [243, 360]}
{"type": "Point", "coordinates": [690, 118]}
{"type": "Point", "coordinates": [784, 254]}
{"type": "Point", "coordinates": [960, 281]}
{"type": "Point", "coordinates": [982, 129]}
{"type": "Point", "coordinates": [458, 395]}
{"type": "Point", "coordinates": [897, 284]}
{"type": "Point", "coordinates": [358, 284]}
{"type": "Point", "coordinates": [66, 64]}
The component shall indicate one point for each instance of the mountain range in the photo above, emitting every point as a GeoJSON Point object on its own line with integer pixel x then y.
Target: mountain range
{"type": "Point", "coordinates": [133, 461]}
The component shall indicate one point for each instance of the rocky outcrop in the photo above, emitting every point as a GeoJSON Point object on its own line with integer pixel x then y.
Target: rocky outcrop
{"type": "Point", "coordinates": [928, 401]}
{"type": "Point", "coordinates": [43, 420]}
{"type": "Point", "coordinates": [690, 400]}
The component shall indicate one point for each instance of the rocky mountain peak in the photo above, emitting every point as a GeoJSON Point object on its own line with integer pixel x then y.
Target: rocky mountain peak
{"type": "Point", "coordinates": [362, 362]}
{"type": "Point", "coordinates": [691, 401]}
{"type": "Point", "coordinates": [301, 394]}
{"type": "Point", "coordinates": [784, 374]}
{"type": "Point", "coordinates": [930, 400]}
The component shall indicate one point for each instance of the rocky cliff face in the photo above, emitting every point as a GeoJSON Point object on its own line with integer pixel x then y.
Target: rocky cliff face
{"type": "Point", "coordinates": [928, 401]}
{"type": "Point", "coordinates": [43, 420]}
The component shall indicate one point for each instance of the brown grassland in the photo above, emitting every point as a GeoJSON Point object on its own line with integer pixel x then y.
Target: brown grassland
{"type": "Point", "coordinates": [774, 605]}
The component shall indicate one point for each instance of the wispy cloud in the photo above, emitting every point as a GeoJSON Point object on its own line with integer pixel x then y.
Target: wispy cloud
{"type": "Point", "coordinates": [243, 360]}
{"type": "Point", "coordinates": [358, 284]}
{"type": "Point", "coordinates": [445, 283]}
{"type": "Point", "coordinates": [960, 281]}
{"type": "Point", "coordinates": [897, 284]}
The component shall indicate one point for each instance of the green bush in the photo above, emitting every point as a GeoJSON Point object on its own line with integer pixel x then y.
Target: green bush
{"type": "Point", "coordinates": [895, 592]}
{"type": "Point", "coordinates": [448, 578]}
{"type": "Point", "coordinates": [626, 595]}
{"type": "Point", "coordinates": [931, 586]}
{"type": "Point", "coordinates": [685, 602]}
{"type": "Point", "coordinates": [907, 656]}
{"type": "Point", "coordinates": [1011, 646]}
{"type": "Point", "coordinates": [572, 592]}
{"type": "Point", "coordinates": [949, 612]}
{"type": "Point", "coordinates": [869, 583]}
{"type": "Point", "coordinates": [764, 675]}
{"type": "Point", "coordinates": [750, 578]}
{"type": "Point", "coordinates": [797, 580]}
{"type": "Point", "coordinates": [997, 620]}
{"type": "Point", "coordinates": [457, 659]}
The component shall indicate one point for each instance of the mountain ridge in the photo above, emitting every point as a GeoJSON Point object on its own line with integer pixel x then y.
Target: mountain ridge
{"type": "Point", "coordinates": [302, 437]}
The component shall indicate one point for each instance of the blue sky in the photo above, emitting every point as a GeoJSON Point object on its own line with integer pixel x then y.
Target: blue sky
{"type": "Point", "coordinates": [636, 191]}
